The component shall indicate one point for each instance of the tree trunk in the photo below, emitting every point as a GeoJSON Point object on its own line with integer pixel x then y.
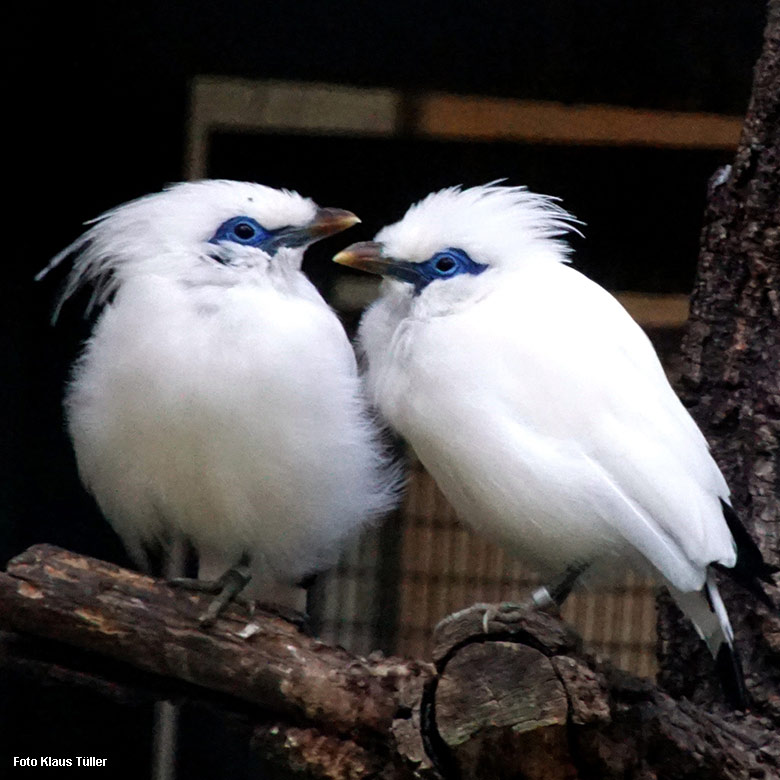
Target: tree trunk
{"type": "Point", "coordinates": [731, 384]}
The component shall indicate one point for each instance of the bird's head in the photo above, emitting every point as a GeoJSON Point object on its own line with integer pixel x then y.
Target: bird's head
{"type": "Point", "coordinates": [203, 232]}
{"type": "Point", "coordinates": [457, 234]}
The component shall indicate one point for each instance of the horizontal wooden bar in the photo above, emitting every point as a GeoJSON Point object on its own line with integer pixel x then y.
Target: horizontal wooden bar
{"type": "Point", "coordinates": [495, 119]}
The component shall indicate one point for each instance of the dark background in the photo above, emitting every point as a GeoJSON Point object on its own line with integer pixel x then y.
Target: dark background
{"type": "Point", "coordinates": [96, 106]}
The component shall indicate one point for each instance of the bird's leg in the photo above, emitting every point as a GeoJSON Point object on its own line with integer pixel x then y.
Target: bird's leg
{"type": "Point", "coordinates": [234, 580]}
{"type": "Point", "coordinates": [283, 608]}
{"type": "Point", "coordinates": [554, 595]}
{"type": "Point", "coordinates": [297, 618]}
{"type": "Point", "coordinates": [546, 597]}
{"type": "Point", "coordinates": [227, 589]}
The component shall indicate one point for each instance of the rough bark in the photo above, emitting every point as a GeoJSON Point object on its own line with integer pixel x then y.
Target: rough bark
{"type": "Point", "coordinates": [731, 382]}
{"type": "Point", "coordinates": [520, 701]}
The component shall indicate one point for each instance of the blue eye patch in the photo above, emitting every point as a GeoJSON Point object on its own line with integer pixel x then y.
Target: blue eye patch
{"type": "Point", "coordinates": [446, 264]}
{"type": "Point", "coordinates": [242, 230]}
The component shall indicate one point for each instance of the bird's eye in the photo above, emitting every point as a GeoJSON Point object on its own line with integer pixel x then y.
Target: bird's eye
{"type": "Point", "coordinates": [244, 231]}
{"type": "Point", "coordinates": [241, 230]}
{"type": "Point", "coordinates": [445, 265]}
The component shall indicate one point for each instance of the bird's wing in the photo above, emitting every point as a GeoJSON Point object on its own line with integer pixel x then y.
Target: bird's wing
{"type": "Point", "coordinates": [571, 366]}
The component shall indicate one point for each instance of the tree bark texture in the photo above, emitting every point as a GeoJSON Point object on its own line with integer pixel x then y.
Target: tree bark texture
{"type": "Point", "coordinates": [731, 384]}
{"type": "Point", "coordinates": [520, 701]}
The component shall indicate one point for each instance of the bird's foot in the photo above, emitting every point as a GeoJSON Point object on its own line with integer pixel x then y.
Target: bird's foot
{"type": "Point", "coordinates": [226, 589]}
{"type": "Point", "coordinates": [300, 620]}
{"type": "Point", "coordinates": [507, 612]}
{"type": "Point", "coordinates": [548, 599]}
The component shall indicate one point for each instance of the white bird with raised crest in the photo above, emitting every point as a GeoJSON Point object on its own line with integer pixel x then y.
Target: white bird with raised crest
{"type": "Point", "coordinates": [540, 407]}
{"type": "Point", "coordinates": [218, 399]}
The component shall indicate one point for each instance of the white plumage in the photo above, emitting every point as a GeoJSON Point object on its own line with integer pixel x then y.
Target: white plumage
{"type": "Point", "coordinates": [218, 397]}
{"type": "Point", "coordinates": [537, 404]}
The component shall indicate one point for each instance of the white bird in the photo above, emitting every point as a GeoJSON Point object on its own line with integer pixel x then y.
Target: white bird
{"type": "Point", "coordinates": [218, 399]}
{"type": "Point", "coordinates": [538, 405]}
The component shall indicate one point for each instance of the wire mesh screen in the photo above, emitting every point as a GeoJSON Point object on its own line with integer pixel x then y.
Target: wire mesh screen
{"type": "Point", "coordinates": [445, 568]}
{"type": "Point", "coordinates": [347, 600]}
{"type": "Point", "coordinates": [442, 567]}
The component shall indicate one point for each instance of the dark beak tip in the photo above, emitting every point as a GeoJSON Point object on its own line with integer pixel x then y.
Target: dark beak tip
{"type": "Point", "coordinates": [328, 221]}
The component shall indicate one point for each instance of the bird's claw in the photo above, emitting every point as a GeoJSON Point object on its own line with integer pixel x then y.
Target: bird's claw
{"type": "Point", "coordinates": [506, 612]}
{"type": "Point", "coordinates": [547, 599]}
{"type": "Point", "coordinates": [227, 589]}
{"type": "Point", "coordinates": [488, 615]}
{"type": "Point", "coordinates": [198, 586]}
{"type": "Point", "coordinates": [299, 619]}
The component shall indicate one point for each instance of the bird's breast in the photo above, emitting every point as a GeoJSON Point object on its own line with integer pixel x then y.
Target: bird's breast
{"type": "Point", "coordinates": [238, 422]}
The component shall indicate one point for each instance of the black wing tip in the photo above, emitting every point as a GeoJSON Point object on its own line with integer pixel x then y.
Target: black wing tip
{"type": "Point", "coordinates": [751, 566]}
{"type": "Point", "coordinates": [749, 580]}
{"type": "Point", "coordinates": [729, 667]}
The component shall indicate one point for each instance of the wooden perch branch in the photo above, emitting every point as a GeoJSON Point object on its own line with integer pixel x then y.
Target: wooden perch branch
{"type": "Point", "coordinates": [96, 606]}
{"type": "Point", "coordinates": [519, 701]}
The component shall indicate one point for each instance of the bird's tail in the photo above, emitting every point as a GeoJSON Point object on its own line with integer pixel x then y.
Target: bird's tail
{"type": "Point", "coordinates": [750, 570]}
{"type": "Point", "coordinates": [708, 613]}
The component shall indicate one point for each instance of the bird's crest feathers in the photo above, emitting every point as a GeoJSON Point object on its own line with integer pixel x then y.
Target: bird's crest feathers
{"type": "Point", "coordinates": [495, 224]}
{"type": "Point", "coordinates": [135, 236]}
